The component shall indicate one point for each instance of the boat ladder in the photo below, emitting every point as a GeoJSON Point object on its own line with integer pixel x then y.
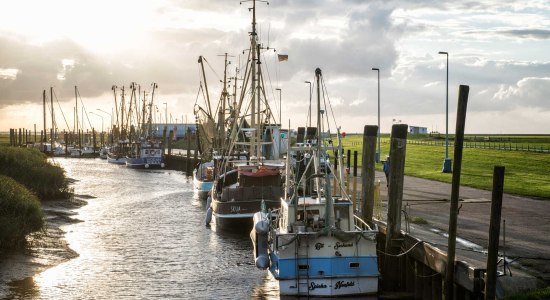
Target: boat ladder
{"type": "Point", "coordinates": [302, 268]}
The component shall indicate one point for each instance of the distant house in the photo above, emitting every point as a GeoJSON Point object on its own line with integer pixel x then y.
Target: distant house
{"type": "Point", "coordinates": [181, 129]}
{"type": "Point", "coordinates": [418, 130]}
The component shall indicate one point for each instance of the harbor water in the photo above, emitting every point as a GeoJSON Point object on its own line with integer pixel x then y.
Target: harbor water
{"type": "Point", "coordinates": [142, 236]}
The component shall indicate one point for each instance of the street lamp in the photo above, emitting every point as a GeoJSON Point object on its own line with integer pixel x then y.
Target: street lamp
{"type": "Point", "coordinates": [110, 115]}
{"type": "Point", "coordinates": [100, 117]}
{"type": "Point", "coordinates": [309, 102]}
{"type": "Point", "coordinates": [165, 113]}
{"type": "Point", "coordinates": [102, 132]}
{"type": "Point", "coordinates": [378, 153]}
{"type": "Point", "coordinates": [447, 163]}
{"type": "Point", "coordinates": [280, 118]}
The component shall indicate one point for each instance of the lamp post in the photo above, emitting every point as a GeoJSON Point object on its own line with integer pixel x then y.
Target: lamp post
{"type": "Point", "coordinates": [101, 119]}
{"type": "Point", "coordinates": [378, 152]}
{"type": "Point", "coordinates": [165, 113]}
{"type": "Point", "coordinates": [447, 163]}
{"type": "Point", "coordinates": [310, 117]}
{"type": "Point", "coordinates": [102, 132]}
{"type": "Point", "coordinates": [110, 115]}
{"type": "Point", "coordinates": [280, 118]}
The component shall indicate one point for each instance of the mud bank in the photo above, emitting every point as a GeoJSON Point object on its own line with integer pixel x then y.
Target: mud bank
{"type": "Point", "coordinates": [44, 250]}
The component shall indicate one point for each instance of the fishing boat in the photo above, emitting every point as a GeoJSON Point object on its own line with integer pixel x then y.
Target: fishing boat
{"type": "Point", "coordinates": [315, 245]}
{"type": "Point", "coordinates": [251, 171]}
{"type": "Point", "coordinates": [203, 179]}
{"type": "Point", "coordinates": [146, 156]}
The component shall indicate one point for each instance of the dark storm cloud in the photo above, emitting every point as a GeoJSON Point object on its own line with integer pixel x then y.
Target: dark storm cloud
{"type": "Point", "coordinates": [540, 34]}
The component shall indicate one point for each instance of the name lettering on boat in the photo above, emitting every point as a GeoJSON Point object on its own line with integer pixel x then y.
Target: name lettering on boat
{"type": "Point", "coordinates": [318, 246]}
{"type": "Point", "coordinates": [342, 245]}
{"type": "Point", "coordinates": [235, 209]}
{"type": "Point", "coordinates": [344, 284]}
{"type": "Point", "coordinates": [314, 285]}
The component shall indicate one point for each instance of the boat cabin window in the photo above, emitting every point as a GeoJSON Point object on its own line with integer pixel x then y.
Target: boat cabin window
{"type": "Point", "coordinates": [342, 217]}
{"type": "Point", "coordinates": [312, 219]}
{"type": "Point", "coordinates": [354, 265]}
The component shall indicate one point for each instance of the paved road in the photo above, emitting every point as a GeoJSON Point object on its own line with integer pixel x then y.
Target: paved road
{"type": "Point", "coordinates": [527, 222]}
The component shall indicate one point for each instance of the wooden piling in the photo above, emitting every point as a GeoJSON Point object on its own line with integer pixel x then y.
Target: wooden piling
{"type": "Point", "coordinates": [354, 195]}
{"type": "Point", "coordinates": [170, 143]}
{"type": "Point", "coordinates": [188, 167]}
{"type": "Point", "coordinates": [398, 142]}
{"type": "Point", "coordinates": [453, 215]}
{"type": "Point", "coordinates": [494, 232]}
{"type": "Point", "coordinates": [348, 172]}
{"type": "Point", "coordinates": [94, 140]}
{"type": "Point", "coordinates": [370, 133]}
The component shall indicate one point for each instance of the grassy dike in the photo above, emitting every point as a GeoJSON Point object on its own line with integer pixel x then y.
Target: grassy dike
{"type": "Point", "coordinates": [526, 172]}
{"type": "Point", "coordinates": [26, 177]}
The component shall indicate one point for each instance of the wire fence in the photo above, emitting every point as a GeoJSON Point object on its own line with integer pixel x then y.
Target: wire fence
{"type": "Point", "coordinates": [504, 146]}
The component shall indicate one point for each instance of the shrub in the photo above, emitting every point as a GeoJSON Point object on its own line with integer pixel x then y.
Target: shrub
{"type": "Point", "coordinates": [31, 168]}
{"type": "Point", "coordinates": [20, 213]}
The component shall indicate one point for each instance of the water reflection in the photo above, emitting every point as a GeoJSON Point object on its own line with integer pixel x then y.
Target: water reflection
{"type": "Point", "coordinates": [143, 236]}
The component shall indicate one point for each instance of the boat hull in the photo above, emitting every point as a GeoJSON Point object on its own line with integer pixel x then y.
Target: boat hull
{"type": "Point", "coordinates": [236, 214]}
{"type": "Point", "coordinates": [329, 287]}
{"type": "Point", "coordinates": [116, 160]}
{"type": "Point", "coordinates": [144, 163]}
{"type": "Point", "coordinates": [202, 188]}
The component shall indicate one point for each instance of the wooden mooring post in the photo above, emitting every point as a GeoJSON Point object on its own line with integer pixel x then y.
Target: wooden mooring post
{"type": "Point", "coordinates": [453, 214]}
{"type": "Point", "coordinates": [494, 232]}
{"type": "Point", "coordinates": [391, 280]}
{"type": "Point", "coordinates": [370, 133]}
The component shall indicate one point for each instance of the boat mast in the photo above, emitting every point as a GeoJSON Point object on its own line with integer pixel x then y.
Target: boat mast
{"type": "Point", "coordinates": [122, 129]}
{"type": "Point", "coordinates": [114, 87]}
{"type": "Point", "coordinates": [317, 161]}
{"type": "Point", "coordinates": [150, 122]}
{"type": "Point", "coordinates": [201, 58]}
{"type": "Point", "coordinates": [53, 118]}
{"type": "Point", "coordinates": [76, 108]}
{"type": "Point", "coordinates": [254, 139]}
{"type": "Point", "coordinates": [221, 115]}
{"type": "Point", "coordinates": [44, 139]}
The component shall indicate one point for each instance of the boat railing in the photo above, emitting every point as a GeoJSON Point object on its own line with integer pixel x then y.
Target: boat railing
{"type": "Point", "coordinates": [360, 224]}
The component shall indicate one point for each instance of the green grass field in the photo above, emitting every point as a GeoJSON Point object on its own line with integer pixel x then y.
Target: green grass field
{"type": "Point", "coordinates": [526, 172]}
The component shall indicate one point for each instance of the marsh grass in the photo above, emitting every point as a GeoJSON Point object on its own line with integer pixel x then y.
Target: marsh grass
{"type": "Point", "coordinates": [31, 168]}
{"type": "Point", "coordinates": [20, 213]}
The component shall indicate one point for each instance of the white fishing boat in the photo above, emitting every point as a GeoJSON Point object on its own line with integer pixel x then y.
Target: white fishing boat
{"type": "Point", "coordinates": [315, 245]}
{"type": "Point", "coordinates": [243, 184]}
{"type": "Point", "coordinates": [146, 156]}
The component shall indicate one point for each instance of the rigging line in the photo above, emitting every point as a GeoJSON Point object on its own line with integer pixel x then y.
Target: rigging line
{"type": "Point", "coordinates": [83, 107]}
{"type": "Point", "coordinates": [63, 114]}
{"type": "Point", "coordinates": [271, 85]}
{"type": "Point", "coordinates": [330, 104]}
{"type": "Point", "coordinates": [211, 68]}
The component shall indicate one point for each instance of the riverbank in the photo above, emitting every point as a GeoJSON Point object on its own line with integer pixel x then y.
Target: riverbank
{"type": "Point", "coordinates": [45, 249]}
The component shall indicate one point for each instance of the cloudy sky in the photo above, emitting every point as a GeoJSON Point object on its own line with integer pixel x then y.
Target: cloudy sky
{"type": "Point", "coordinates": [500, 48]}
